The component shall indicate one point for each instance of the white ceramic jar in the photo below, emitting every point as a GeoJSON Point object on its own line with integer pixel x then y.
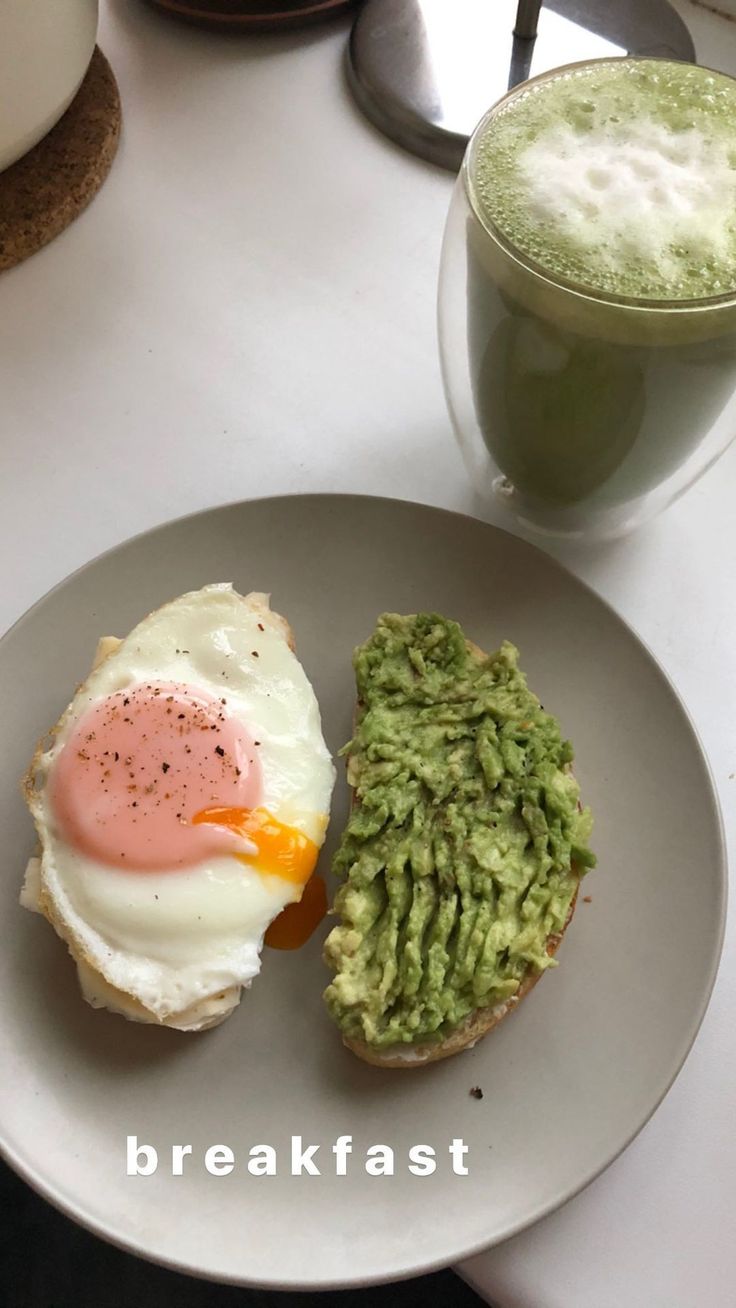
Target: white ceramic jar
{"type": "Point", "coordinates": [45, 49]}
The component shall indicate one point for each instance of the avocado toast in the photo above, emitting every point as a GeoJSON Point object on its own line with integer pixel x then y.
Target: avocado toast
{"type": "Point", "coordinates": [463, 851]}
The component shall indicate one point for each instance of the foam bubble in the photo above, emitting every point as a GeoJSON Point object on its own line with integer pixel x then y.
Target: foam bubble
{"type": "Point", "coordinates": [621, 176]}
{"type": "Point", "coordinates": [643, 195]}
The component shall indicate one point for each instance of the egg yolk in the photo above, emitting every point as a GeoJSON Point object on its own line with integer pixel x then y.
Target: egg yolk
{"type": "Point", "coordinates": [138, 764]}
{"type": "Point", "coordinates": [282, 851]}
{"type": "Point", "coordinates": [161, 775]}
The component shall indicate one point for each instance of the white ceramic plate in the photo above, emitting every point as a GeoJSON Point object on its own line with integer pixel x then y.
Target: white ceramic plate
{"type": "Point", "coordinates": [566, 1082]}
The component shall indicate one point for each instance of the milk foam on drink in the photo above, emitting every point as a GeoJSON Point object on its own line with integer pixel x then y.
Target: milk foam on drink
{"type": "Point", "coordinates": [599, 207]}
{"type": "Point", "coordinates": [619, 176]}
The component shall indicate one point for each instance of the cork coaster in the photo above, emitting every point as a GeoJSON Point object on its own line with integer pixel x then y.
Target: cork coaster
{"type": "Point", "coordinates": [254, 15]}
{"type": "Point", "coordinates": [43, 192]}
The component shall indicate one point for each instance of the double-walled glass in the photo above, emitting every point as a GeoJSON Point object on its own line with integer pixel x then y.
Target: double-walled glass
{"type": "Point", "coordinates": [584, 413]}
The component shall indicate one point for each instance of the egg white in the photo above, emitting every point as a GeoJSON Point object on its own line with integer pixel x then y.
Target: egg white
{"type": "Point", "coordinates": [173, 939]}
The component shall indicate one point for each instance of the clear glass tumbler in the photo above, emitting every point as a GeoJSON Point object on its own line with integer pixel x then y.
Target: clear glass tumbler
{"type": "Point", "coordinates": [584, 413]}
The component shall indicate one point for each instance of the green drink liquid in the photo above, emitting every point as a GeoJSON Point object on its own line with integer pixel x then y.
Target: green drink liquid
{"type": "Point", "coordinates": [601, 262]}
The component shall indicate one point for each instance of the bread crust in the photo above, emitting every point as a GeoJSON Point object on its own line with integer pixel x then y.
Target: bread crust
{"type": "Point", "coordinates": [408, 1057]}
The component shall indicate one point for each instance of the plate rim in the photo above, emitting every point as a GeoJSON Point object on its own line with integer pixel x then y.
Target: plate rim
{"type": "Point", "coordinates": [53, 1193]}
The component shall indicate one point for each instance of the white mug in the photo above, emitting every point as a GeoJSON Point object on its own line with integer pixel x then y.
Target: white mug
{"type": "Point", "coordinates": [45, 49]}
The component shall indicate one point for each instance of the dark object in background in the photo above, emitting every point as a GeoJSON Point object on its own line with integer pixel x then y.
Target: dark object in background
{"type": "Point", "coordinates": [48, 1262]}
{"type": "Point", "coordinates": [253, 15]}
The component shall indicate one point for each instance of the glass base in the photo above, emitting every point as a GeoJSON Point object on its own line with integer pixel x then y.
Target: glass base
{"type": "Point", "coordinates": [568, 522]}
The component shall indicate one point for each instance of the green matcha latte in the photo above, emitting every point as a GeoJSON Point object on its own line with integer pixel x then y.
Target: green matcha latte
{"type": "Point", "coordinates": [601, 236]}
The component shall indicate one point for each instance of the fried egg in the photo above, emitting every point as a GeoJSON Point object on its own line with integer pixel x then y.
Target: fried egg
{"type": "Point", "coordinates": [180, 805]}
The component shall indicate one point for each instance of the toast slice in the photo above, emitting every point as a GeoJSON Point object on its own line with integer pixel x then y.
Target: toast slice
{"type": "Point", "coordinates": [482, 1019]}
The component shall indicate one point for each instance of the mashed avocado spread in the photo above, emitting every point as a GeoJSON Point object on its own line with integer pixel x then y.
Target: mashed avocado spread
{"type": "Point", "coordinates": [457, 854]}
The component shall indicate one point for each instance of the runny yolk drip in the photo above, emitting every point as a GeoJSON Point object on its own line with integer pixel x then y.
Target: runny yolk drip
{"type": "Point", "coordinates": [295, 923]}
{"type": "Point", "coordinates": [282, 850]}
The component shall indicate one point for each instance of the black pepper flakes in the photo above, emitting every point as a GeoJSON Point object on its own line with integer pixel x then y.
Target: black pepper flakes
{"type": "Point", "coordinates": [219, 750]}
{"type": "Point", "coordinates": [165, 767]}
{"type": "Point", "coordinates": [476, 1092]}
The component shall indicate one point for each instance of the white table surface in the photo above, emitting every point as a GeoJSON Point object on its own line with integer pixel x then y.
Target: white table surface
{"type": "Point", "coordinates": [247, 308]}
